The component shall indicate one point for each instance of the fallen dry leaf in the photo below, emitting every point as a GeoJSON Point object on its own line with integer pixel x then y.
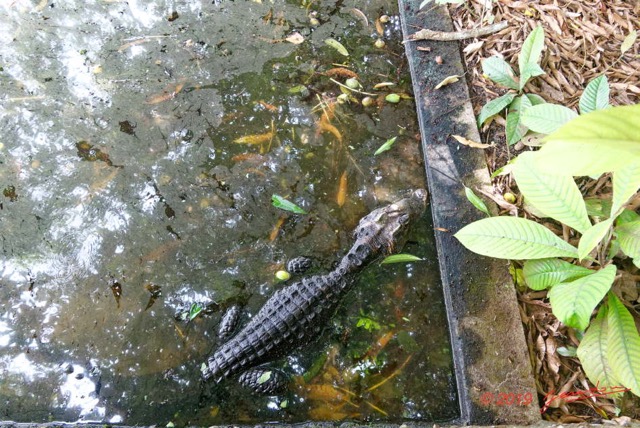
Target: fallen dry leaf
{"type": "Point", "coordinates": [447, 81]}
{"type": "Point", "coordinates": [471, 143]}
{"type": "Point", "coordinates": [295, 38]}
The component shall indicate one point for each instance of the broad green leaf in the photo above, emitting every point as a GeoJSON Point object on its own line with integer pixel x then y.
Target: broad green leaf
{"type": "Point", "coordinates": [515, 129]}
{"type": "Point", "coordinates": [557, 196]}
{"type": "Point", "coordinates": [531, 50]}
{"type": "Point", "coordinates": [627, 216]}
{"type": "Point", "coordinates": [626, 182]}
{"type": "Point", "coordinates": [547, 118]}
{"type": "Point", "coordinates": [476, 201]}
{"type": "Point", "coordinates": [530, 70]}
{"type": "Point", "coordinates": [595, 95]}
{"type": "Point", "coordinates": [280, 202]}
{"type": "Point", "coordinates": [494, 107]}
{"type": "Point", "coordinates": [573, 302]}
{"type": "Point", "coordinates": [498, 70]}
{"type": "Point", "coordinates": [544, 273]}
{"type": "Point", "coordinates": [628, 235]}
{"type": "Point", "coordinates": [386, 146]}
{"type": "Point", "coordinates": [623, 345]}
{"type": "Point", "coordinates": [597, 207]}
{"type": "Point", "coordinates": [592, 237]}
{"type": "Point", "coordinates": [535, 99]}
{"type": "Point", "coordinates": [400, 258]}
{"type": "Point", "coordinates": [592, 352]}
{"type": "Point", "coordinates": [513, 238]}
{"type": "Point", "coordinates": [594, 143]}
{"type": "Point", "coordinates": [337, 46]}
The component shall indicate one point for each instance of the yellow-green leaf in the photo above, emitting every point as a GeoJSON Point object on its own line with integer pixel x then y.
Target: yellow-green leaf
{"type": "Point", "coordinates": [626, 182]}
{"type": "Point", "coordinates": [513, 238]}
{"type": "Point", "coordinates": [544, 273]}
{"type": "Point", "coordinates": [594, 143]}
{"type": "Point", "coordinates": [623, 345]}
{"type": "Point", "coordinates": [557, 196]}
{"type": "Point", "coordinates": [573, 302]}
{"type": "Point", "coordinates": [592, 237]}
{"type": "Point", "coordinates": [337, 46]}
{"type": "Point", "coordinates": [592, 352]}
{"type": "Point", "coordinates": [400, 258]}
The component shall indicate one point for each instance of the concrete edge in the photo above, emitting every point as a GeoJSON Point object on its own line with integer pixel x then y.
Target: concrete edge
{"type": "Point", "coordinates": [493, 368]}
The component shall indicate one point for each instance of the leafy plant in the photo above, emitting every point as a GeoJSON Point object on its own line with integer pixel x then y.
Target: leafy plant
{"type": "Point", "coordinates": [516, 103]}
{"type": "Point", "coordinates": [604, 140]}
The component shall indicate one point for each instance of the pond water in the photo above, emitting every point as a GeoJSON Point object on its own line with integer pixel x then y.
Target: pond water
{"type": "Point", "coordinates": [140, 146]}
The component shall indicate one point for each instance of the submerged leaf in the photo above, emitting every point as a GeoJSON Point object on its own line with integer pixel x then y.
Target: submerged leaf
{"type": "Point", "coordinates": [283, 204]}
{"type": "Point", "coordinates": [341, 196]}
{"type": "Point", "coordinates": [264, 377]}
{"type": "Point", "coordinates": [255, 138]}
{"type": "Point", "coordinates": [337, 46]}
{"type": "Point", "coordinates": [194, 311]}
{"type": "Point", "coordinates": [386, 146]}
{"type": "Point", "coordinates": [400, 258]}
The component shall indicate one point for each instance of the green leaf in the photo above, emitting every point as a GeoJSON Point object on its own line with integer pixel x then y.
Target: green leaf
{"type": "Point", "coordinates": [530, 70]}
{"type": "Point", "coordinates": [194, 311]}
{"type": "Point", "coordinates": [494, 107]}
{"type": "Point", "coordinates": [513, 238]}
{"type": "Point", "coordinates": [400, 258]}
{"type": "Point", "coordinates": [535, 99]}
{"type": "Point", "coordinates": [573, 302]}
{"type": "Point", "coordinates": [515, 128]}
{"type": "Point", "coordinates": [594, 143]}
{"type": "Point", "coordinates": [264, 377]}
{"type": "Point", "coordinates": [531, 50]}
{"type": "Point", "coordinates": [556, 196]}
{"type": "Point", "coordinates": [626, 182]}
{"type": "Point", "coordinates": [597, 207]}
{"type": "Point", "coordinates": [544, 273]}
{"type": "Point", "coordinates": [592, 352]}
{"type": "Point", "coordinates": [337, 46]}
{"type": "Point", "coordinates": [623, 345]}
{"type": "Point", "coordinates": [547, 118]}
{"type": "Point", "coordinates": [567, 351]}
{"type": "Point", "coordinates": [476, 201]}
{"type": "Point", "coordinates": [498, 70]}
{"type": "Point", "coordinates": [595, 95]}
{"type": "Point", "coordinates": [280, 202]}
{"type": "Point", "coordinates": [386, 146]}
{"type": "Point", "coordinates": [628, 235]}
{"type": "Point", "coordinates": [627, 216]}
{"type": "Point", "coordinates": [592, 237]}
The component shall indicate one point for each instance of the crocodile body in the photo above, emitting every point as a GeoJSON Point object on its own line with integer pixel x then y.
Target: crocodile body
{"type": "Point", "coordinates": [297, 314]}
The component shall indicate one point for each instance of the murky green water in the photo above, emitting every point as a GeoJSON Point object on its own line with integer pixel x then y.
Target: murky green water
{"type": "Point", "coordinates": [140, 144]}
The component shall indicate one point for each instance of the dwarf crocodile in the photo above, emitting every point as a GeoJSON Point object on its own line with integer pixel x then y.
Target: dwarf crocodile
{"type": "Point", "coordinates": [296, 314]}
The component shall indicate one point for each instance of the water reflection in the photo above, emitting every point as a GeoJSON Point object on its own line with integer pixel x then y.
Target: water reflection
{"type": "Point", "coordinates": [140, 145]}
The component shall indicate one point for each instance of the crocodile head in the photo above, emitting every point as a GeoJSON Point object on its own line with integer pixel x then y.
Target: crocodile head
{"type": "Point", "coordinates": [385, 228]}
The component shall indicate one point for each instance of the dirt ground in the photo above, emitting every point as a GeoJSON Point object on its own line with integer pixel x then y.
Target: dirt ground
{"type": "Point", "coordinates": [583, 40]}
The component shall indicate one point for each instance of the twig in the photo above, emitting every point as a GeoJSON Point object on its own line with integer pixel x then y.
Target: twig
{"type": "Point", "coordinates": [444, 36]}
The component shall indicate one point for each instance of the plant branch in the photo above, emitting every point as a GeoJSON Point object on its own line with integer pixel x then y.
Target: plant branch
{"type": "Point", "coordinates": [445, 36]}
